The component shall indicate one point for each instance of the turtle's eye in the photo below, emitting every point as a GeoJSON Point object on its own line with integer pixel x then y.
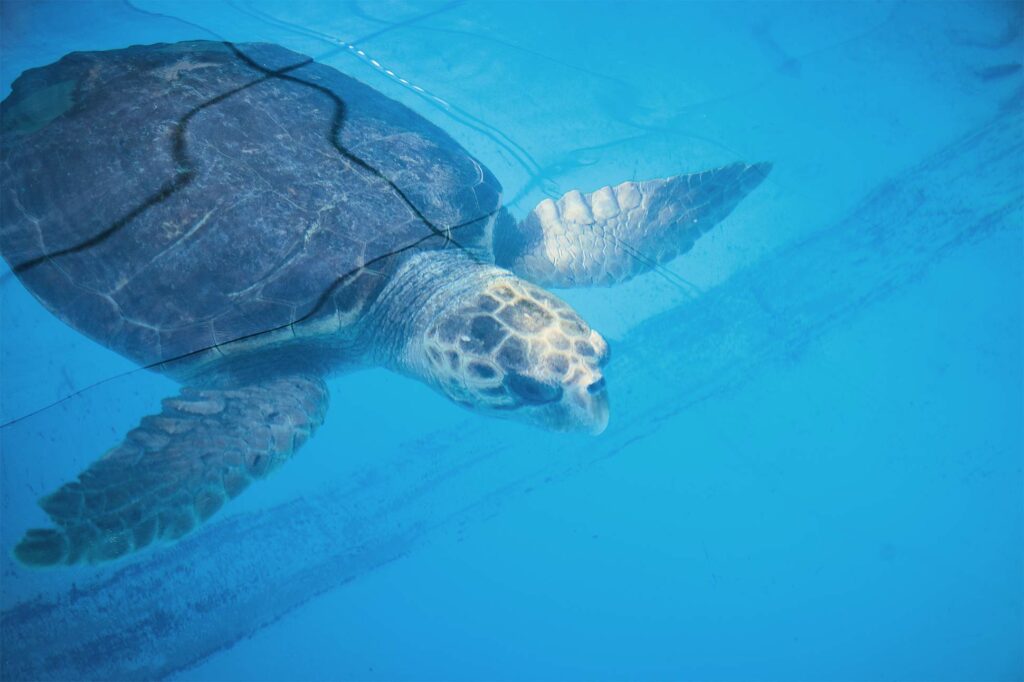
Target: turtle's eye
{"type": "Point", "coordinates": [532, 391]}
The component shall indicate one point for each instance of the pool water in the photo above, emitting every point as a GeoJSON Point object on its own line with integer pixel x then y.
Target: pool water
{"type": "Point", "coordinates": [814, 467]}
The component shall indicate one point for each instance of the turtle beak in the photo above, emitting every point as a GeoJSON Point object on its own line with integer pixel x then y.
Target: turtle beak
{"type": "Point", "coordinates": [586, 399]}
{"type": "Point", "coordinates": [593, 399]}
{"type": "Point", "coordinates": [596, 407]}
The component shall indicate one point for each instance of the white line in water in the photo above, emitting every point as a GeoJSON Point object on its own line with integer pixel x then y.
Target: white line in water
{"type": "Point", "coordinates": [377, 65]}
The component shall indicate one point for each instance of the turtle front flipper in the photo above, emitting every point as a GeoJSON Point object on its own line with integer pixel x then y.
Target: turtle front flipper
{"type": "Point", "coordinates": [176, 469]}
{"type": "Point", "coordinates": [615, 233]}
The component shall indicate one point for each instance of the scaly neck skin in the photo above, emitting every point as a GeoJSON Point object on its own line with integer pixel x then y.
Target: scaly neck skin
{"type": "Point", "coordinates": [422, 288]}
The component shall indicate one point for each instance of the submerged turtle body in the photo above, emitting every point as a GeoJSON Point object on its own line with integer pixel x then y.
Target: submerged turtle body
{"type": "Point", "coordinates": [207, 192]}
{"type": "Point", "coordinates": [249, 222]}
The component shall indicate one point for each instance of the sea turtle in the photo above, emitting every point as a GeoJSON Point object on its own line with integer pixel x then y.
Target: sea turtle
{"type": "Point", "coordinates": [248, 221]}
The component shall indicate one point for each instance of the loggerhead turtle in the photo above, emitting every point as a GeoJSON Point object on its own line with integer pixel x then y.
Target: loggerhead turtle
{"type": "Point", "coordinates": [248, 222]}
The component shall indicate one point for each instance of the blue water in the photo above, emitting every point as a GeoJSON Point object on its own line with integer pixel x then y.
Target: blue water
{"type": "Point", "coordinates": [813, 469]}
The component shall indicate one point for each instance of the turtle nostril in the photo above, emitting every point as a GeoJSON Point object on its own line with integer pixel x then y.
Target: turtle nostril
{"type": "Point", "coordinates": [596, 387]}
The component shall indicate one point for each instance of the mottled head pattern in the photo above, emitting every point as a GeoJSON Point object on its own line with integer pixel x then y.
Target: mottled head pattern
{"type": "Point", "coordinates": [516, 351]}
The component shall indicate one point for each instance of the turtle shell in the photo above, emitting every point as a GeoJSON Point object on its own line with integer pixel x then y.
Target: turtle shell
{"type": "Point", "coordinates": [166, 199]}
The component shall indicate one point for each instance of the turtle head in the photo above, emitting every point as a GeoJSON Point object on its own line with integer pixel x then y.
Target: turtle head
{"type": "Point", "coordinates": [509, 348]}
